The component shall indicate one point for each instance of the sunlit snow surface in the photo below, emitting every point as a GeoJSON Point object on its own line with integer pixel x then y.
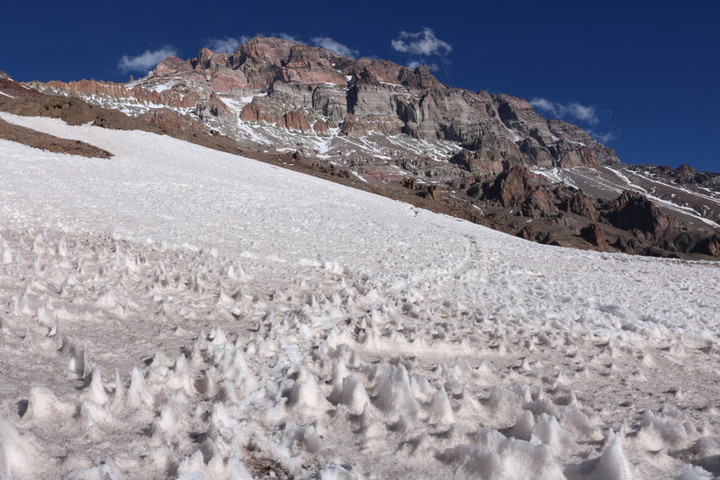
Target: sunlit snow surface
{"type": "Point", "coordinates": [180, 312]}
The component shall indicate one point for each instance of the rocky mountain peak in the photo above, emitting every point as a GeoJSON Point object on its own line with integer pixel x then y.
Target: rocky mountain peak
{"type": "Point", "coordinates": [207, 59]}
{"type": "Point", "coordinates": [420, 77]}
{"type": "Point", "coordinates": [374, 71]}
{"type": "Point", "coordinates": [262, 50]}
{"type": "Point", "coordinates": [172, 65]}
{"type": "Point", "coordinates": [313, 90]}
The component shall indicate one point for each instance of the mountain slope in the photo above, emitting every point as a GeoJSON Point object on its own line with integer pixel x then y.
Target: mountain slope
{"type": "Point", "coordinates": [264, 323]}
{"type": "Point", "coordinates": [403, 134]}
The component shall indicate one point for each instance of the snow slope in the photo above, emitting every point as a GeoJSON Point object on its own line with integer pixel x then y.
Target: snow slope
{"type": "Point", "coordinates": [176, 311]}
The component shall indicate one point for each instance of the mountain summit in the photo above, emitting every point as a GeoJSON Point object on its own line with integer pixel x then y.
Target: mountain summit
{"type": "Point", "coordinates": [272, 82]}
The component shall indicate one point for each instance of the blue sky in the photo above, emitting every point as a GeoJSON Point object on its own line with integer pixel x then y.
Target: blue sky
{"type": "Point", "coordinates": [641, 76]}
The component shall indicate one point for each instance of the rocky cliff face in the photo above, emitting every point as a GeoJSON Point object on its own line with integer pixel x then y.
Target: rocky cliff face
{"type": "Point", "coordinates": [368, 95]}
{"type": "Point", "coordinates": [311, 90]}
{"type": "Point", "coordinates": [166, 98]}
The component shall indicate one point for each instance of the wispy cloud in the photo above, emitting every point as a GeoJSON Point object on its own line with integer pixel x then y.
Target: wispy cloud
{"type": "Point", "coordinates": [577, 112]}
{"type": "Point", "coordinates": [226, 44]}
{"type": "Point", "coordinates": [423, 42]}
{"type": "Point", "coordinates": [572, 110]}
{"type": "Point", "coordinates": [145, 61]}
{"type": "Point", "coordinates": [287, 36]}
{"type": "Point", "coordinates": [433, 67]}
{"type": "Point", "coordinates": [335, 46]}
{"type": "Point", "coordinates": [603, 137]}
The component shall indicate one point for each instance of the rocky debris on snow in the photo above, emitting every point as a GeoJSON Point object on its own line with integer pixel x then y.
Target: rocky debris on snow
{"type": "Point", "coordinates": [684, 174]}
{"type": "Point", "coordinates": [174, 121]}
{"type": "Point", "coordinates": [630, 223]}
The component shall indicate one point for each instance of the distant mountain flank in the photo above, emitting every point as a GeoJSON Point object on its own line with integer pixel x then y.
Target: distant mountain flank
{"type": "Point", "coordinates": [397, 131]}
{"type": "Point", "coordinates": [314, 91]}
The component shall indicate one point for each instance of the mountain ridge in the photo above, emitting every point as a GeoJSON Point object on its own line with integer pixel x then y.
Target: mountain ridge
{"type": "Point", "coordinates": [397, 131]}
{"type": "Point", "coordinates": [297, 87]}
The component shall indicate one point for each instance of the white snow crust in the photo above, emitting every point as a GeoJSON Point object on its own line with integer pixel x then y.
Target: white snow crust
{"type": "Point", "coordinates": [178, 312]}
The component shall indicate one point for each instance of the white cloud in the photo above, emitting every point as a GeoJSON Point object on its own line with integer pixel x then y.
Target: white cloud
{"type": "Point", "coordinates": [562, 110]}
{"type": "Point", "coordinates": [287, 36]}
{"type": "Point", "coordinates": [603, 137]}
{"type": "Point", "coordinates": [334, 46]}
{"type": "Point", "coordinates": [433, 67]}
{"type": "Point", "coordinates": [543, 104]}
{"type": "Point", "coordinates": [226, 44]}
{"type": "Point", "coordinates": [584, 113]}
{"type": "Point", "coordinates": [145, 61]}
{"type": "Point", "coordinates": [421, 43]}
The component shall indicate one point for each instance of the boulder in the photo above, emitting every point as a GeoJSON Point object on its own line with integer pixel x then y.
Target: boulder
{"type": "Point", "coordinates": [594, 236]}
{"type": "Point", "coordinates": [213, 107]}
{"type": "Point", "coordinates": [580, 204]}
{"type": "Point", "coordinates": [517, 188]}
{"type": "Point", "coordinates": [633, 211]}
{"type": "Point", "coordinates": [708, 246]}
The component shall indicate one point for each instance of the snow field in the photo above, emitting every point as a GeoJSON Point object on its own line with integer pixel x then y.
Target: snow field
{"type": "Point", "coordinates": [274, 397]}
{"type": "Point", "coordinates": [178, 312]}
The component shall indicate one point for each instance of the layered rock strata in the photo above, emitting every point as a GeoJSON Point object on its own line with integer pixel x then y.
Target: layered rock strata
{"type": "Point", "coordinates": [315, 91]}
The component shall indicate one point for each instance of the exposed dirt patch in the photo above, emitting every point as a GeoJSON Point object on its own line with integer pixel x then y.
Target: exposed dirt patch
{"type": "Point", "coordinates": [43, 141]}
